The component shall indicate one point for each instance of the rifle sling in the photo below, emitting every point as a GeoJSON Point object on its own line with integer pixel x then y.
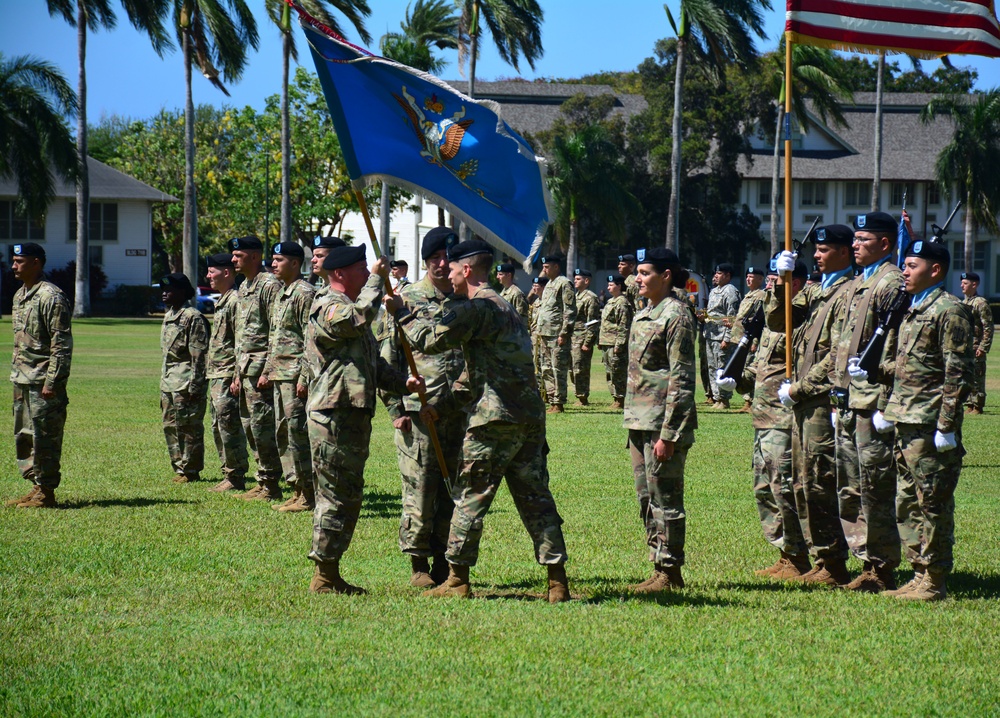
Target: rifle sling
{"type": "Point", "coordinates": [817, 328]}
{"type": "Point", "coordinates": [860, 320]}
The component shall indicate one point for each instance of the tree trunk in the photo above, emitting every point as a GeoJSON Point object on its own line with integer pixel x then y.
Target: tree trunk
{"type": "Point", "coordinates": [285, 232]}
{"type": "Point", "coordinates": [573, 249]}
{"type": "Point", "coordinates": [776, 179]}
{"type": "Point", "coordinates": [81, 305]}
{"type": "Point", "coordinates": [383, 237]}
{"type": "Point", "coordinates": [877, 180]}
{"type": "Point", "coordinates": [970, 232]}
{"type": "Point", "coordinates": [189, 247]}
{"type": "Point", "coordinates": [674, 207]}
{"type": "Point", "coordinates": [473, 50]}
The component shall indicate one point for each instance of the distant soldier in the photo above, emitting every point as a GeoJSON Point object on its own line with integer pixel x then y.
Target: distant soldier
{"type": "Point", "coordinates": [43, 349]}
{"type": "Point", "coordinates": [321, 247]}
{"type": "Point", "coordinates": [754, 295]}
{"type": "Point", "coordinates": [397, 270]}
{"type": "Point", "coordinates": [511, 292]}
{"type": "Point", "coordinates": [616, 322]}
{"type": "Point", "coordinates": [626, 267]}
{"type": "Point", "coordinates": [660, 412]}
{"type": "Point", "coordinates": [933, 372]}
{"type": "Point", "coordinates": [253, 331]}
{"type": "Point", "coordinates": [183, 381]}
{"type": "Point", "coordinates": [227, 429]}
{"type": "Point", "coordinates": [505, 430]}
{"type": "Point", "coordinates": [556, 317]}
{"type": "Point", "coordinates": [723, 304]}
{"type": "Point", "coordinates": [284, 372]}
{"type": "Point", "coordinates": [982, 327]}
{"type": "Point", "coordinates": [534, 302]}
{"type": "Point", "coordinates": [585, 331]}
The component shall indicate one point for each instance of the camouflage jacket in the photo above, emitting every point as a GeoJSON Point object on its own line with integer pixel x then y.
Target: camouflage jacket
{"type": "Point", "coordinates": [444, 373]}
{"type": "Point", "coordinates": [723, 302]}
{"type": "Point", "coordinates": [253, 322]}
{"type": "Point", "coordinates": [588, 319]}
{"type": "Point", "coordinates": [43, 339]}
{"type": "Point", "coordinates": [616, 321]}
{"type": "Point", "coordinates": [757, 295]}
{"type": "Point", "coordinates": [557, 309]}
{"type": "Point", "coordinates": [289, 318]}
{"type": "Point", "coordinates": [934, 365]}
{"type": "Point", "coordinates": [982, 321]}
{"type": "Point", "coordinates": [342, 364]}
{"type": "Point", "coordinates": [497, 350]}
{"type": "Point", "coordinates": [184, 344]}
{"type": "Point", "coordinates": [661, 372]}
{"type": "Point", "coordinates": [222, 343]}
{"type": "Point", "coordinates": [632, 294]}
{"type": "Point", "coordinates": [763, 376]}
{"type": "Point", "coordinates": [873, 393]}
{"type": "Point", "coordinates": [515, 297]}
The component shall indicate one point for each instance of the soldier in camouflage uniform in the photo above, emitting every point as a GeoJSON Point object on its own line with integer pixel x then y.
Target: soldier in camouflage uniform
{"type": "Point", "coordinates": [755, 294]}
{"type": "Point", "coordinates": [253, 331]}
{"type": "Point", "coordinates": [723, 303]}
{"type": "Point", "coordinates": [616, 322]}
{"type": "Point", "coordinates": [220, 370]}
{"type": "Point", "coordinates": [183, 381]}
{"type": "Point", "coordinates": [534, 302]}
{"type": "Point", "coordinates": [585, 331]}
{"type": "Point", "coordinates": [511, 292]}
{"type": "Point", "coordinates": [982, 328]}
{"type": "Point", "coordinates": [556, 318]}
{"type": "Point", "coordinates": [660, 412]}
{"type": "Point", "coordinates": [426, 498]}
{"type": "Point", "coordinates": [505, 431]}
{"type": "Point", "coordinates": [289, 317]}
{"type": "Point", "coordinates": [343, 368]}
{"type": "Point", "coordinates": [39, 370]}
{"type": "Point", "coordinates": [626, 267]}
{"type": "Point", "coordinates": [398, 269]}
{"type": "Point", "coordinates": [932, 373]}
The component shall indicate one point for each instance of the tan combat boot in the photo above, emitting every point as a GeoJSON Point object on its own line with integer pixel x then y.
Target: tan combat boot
{"type": "Point", "coordinates": [309, 497]}
{"type": "Point", "coordinates": [792, 567]}
{"type": "Point", "coordinates": [873, 579]}
{"type": "Point", "coordinates": [664, 578]}
{"type": "Point", "coordinates": [722, 404]}
{"type": "Point", "coordinates": [327, 580]}
{"type": "Point", "coordinates": [26, 497]}
{"type": "Point", "coordinates": [747, 407]}
{"type": "Point", "coordinates": [457, 584]}
{"type": "Point", "coordinates": [420, 572]}
{"type": "Point", "coordinates": [828, 572]}
{"type": "Point", "coordinates": [582, 401]}
{"type": "Point", "coordinates": [556, 409]}
{"type": "Point", "coordinates": [253, 493]}
{"type": "Point", "coordinates": [439, 569]}
{"type": "Point", "coordinates": [186, 479]}
{"type": "Point", "coordinates": [617, 405]}
{"type": "Point", "coordinates": [918, 578]}
{"type": "Point", "coordinates": [44, 498]}
{"type": "Point", "coordinates": [558, 584]}
{"type": "Point", "coordinates": [269, 491]}
{"type": "Point", "coordinates": [293, 504]}
{"type": "Point", "coordinates": [932, 588]}
{"type": "Point", "coordinates": [776, 566]}
{"type": "Point", "coordinates": [229, 485]}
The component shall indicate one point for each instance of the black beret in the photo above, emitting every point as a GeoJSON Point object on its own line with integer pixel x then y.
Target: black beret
{"type": "Point", "coordinates": [971, 276]}
{"type": "Point", "coordinates": [469, 248]}
{"type": "Point", "coordinates": [582, 272]}
{"type": "Point", "coordinates": [657, 256]}
{"type": "Point", "coordinates": [340, 257]}
{"type": "Point", "coordinates": [759, 271]}
{"type": "Point", "coordinates": [288, 249]}
{"type": "Point", "coordinates": [540, 281]}
{"type": "Point", "coordinates": [800, 271]}
{"type": "Point", "coordinates": [328, 242]}
{"type": "Point", "coordinates": [29, 249]}
{"type": "Point", "coordinates": [931, 251]}
{"type": "Point", "coordinates": [833, 234]}
{"type": "Point", "coordinates": [724, 267]}
{"type": "Point", "coordinates": [398, 263]}
{"type": "Point", "coordinates": [559, 259]}
{"type": "Point", "coordinates": [437, 239]}
{"type": "Point", "coordinates": [178, 280]}
{"type": "Point", "coordinates": [506, 268]}
{"type": "Point", "coordinates": [223, 260]}
{"type": "Point", "coordinates": [875, 222]}
{"type": "Point", "coordinates": [617, 279]}
{"type": "Point", "coordinates": [248, 244]}
{"type": "Point", "coordinates": [626, 258]}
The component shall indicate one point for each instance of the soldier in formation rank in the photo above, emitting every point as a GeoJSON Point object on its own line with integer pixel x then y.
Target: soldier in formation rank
{"type": "Point", "coordinates": [585, 331]}
{"type": "Point", "coordinates": [39, 370]}
{"type": "Point", "coordinates": [556, 317]}
{"type": "Point", "coordinates": [534, 302]}
{"type": "Point", "coordinates": [982, 328]}
{"type": "Point", "coordinates": [183, 381]}
{"type": "Point", "coordinates": [754, 295]}
{"type": "Point", "coordinates": [723, 304]}
{"type": "Point", "coordinates": [397, 270]}
{"type": "Point", "coordinates": [626, 267]}
{"type": "Point", "coordinates": [616, 322]}
{"type": "Point", "coordinates": [511, 292]}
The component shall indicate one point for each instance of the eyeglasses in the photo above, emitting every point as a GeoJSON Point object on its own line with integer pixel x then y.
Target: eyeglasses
{"type": "Point", "coordinates": [862, 240]}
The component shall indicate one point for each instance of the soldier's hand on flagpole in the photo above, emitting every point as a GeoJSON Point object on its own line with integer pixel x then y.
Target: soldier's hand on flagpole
{"type": "Point", "coordinates": [403, 423]}
{"type": "Point", "coordinates": [785, 394]}
{"type": "Point", "coordinates": [906, 223]}
{"type": "Point", "coordinates": [785, 262]}
{"type": "Point", "coordinates": [381, 267]}
{"type": "Point", "coordinates": [392, 303]}
{"type": "Point", "coordinates": [415, 384]}
{"type": "Point", "coordinates": [855, 370]}
{"type": "Point", "coordinates": [428, 414]}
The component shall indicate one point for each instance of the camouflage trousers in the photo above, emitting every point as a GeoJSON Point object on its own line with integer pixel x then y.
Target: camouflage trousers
{"type": "Point", "coordinates": [717, 358]}
{"type": "Point", "coordinates": [814, 469]}
{"type": "Point", "coordinates": [491, 453]}
{"type": "Point", "coordinates": [340, 441]}
{"type": "Point", "coordinates": [227, 430]}
{"type": "Point", "coordinates": [555, 361]}
{"type": "Point", "coordinates": [38, 433]}
{"type": "Point", "coordinates": [852, 517]}
{"type": "Point", "coordinates": [581, 369]}
{"type": "Point", "coordinates": [977, 397]}
{"type": "Point", "coordinates": [616, 372]}
{"type": "Point", "coordinates": [257, 415]}
{"type": "Point", "coordinates": [877, 468]}
{"type": "Point", "coordinates": [536, 351]}
{"type": "Point", "coordinates": [292, 435]}
{"type": "Point", "coordinates": [925, 498]}
{"type": "Point", "coordinates": [775, 491]}
{"type": "Point", "coordinates": [659, 486]}
{"type": "Point", "coordinates": [427, 502]}
{"type": "Point", "coordinates": [184, 429]}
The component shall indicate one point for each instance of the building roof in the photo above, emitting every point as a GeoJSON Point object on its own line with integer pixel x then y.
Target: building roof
{"type": "Point", "coordinates": [909, 147]}
{"type": "Point", "coordinates": [105, 183]}
{"type": "Point", "coordinates": [531, 107]}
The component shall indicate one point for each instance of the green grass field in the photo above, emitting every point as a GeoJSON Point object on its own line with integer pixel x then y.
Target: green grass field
{"type": "Point", "coordinates": [140, 596]}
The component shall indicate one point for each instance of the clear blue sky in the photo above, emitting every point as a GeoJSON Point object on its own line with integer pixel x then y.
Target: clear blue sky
{"type": "Point", "coordinates": [125, 77]}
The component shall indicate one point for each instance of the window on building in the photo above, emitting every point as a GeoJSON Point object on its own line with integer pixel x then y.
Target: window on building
{"type": "Point", "coordinates": [765, 218]}
{"type": "Point", "coordinates": [103, 221]}
{"type": "Point", "coordinates": [901, 190]}
{"type": "Point", "coordinates": [857, 194]}
{"type": "Point", "coordinates": [96, 255]}
{"type": "Point", "coordinates": [958, 257]}
{"type": "Point", "coordinates": [17, 226]}
{"type": "Point", "coordinates": [979, 252]}
{"type": "Point", "coordinates": [812, 194]}
{"type": "Point", "coordinates": [933, 194]}
{"type": "Point", "coordinates": [764, 193]}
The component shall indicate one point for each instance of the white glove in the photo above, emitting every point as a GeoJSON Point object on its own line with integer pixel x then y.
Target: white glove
{"type": "Point", "coordinates": [833, 420]}
{"type": "Point", "coordinates": [785, 262]}
{"type": "Point", "coordinates": [726, 383]}
{"type": "Point", "coordinates": [881, 424]}
{"type": "Point", "coordinates": [783, 394]}
{"type": "Point", "coordinates": [856, 371]}
{"type": "Point", "coordinates": [945, 442]}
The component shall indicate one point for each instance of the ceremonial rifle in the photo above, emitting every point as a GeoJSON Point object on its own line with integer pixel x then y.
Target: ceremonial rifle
{"type": "Point", "coordinates": [753, 327]}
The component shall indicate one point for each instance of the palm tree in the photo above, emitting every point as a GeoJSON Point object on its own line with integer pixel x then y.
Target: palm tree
{"type": "Point", "coordinates": [969, 162]}
{"type": "Point", "coordinates": [516, 27]}
{"type": "Point", "coordinates": [34, 138]}
{"type": "Point", "coordinates": [146, 16]}
{"type": "Point", "coordinates": [815, 76]}
{"type": "Point", "coordinates": [280, 13]}
{"type": "Point", "coordinates": [720, 33]}
{"type": "Point", "coordinates": [213, 39]}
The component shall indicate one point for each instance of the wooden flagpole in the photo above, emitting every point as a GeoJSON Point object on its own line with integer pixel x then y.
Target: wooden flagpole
{"type": "Point", "coordinates": [788, 201]}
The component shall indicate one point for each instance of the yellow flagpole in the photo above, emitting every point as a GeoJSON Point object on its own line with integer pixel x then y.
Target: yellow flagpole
{"type": "Point", "coordinates": [788, 201]}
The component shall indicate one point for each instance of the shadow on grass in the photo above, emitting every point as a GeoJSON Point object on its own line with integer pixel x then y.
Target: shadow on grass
{"type": "Point", "coordinates": [134, 503]}
{"type": "Point", "coordinates": [973, 586]}
{"type": "Point", "coordinates": [381, 505]}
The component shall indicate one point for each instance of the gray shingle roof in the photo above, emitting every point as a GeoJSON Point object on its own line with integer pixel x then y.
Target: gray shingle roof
{"type": "Point", "coordinates": [105, 183]}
